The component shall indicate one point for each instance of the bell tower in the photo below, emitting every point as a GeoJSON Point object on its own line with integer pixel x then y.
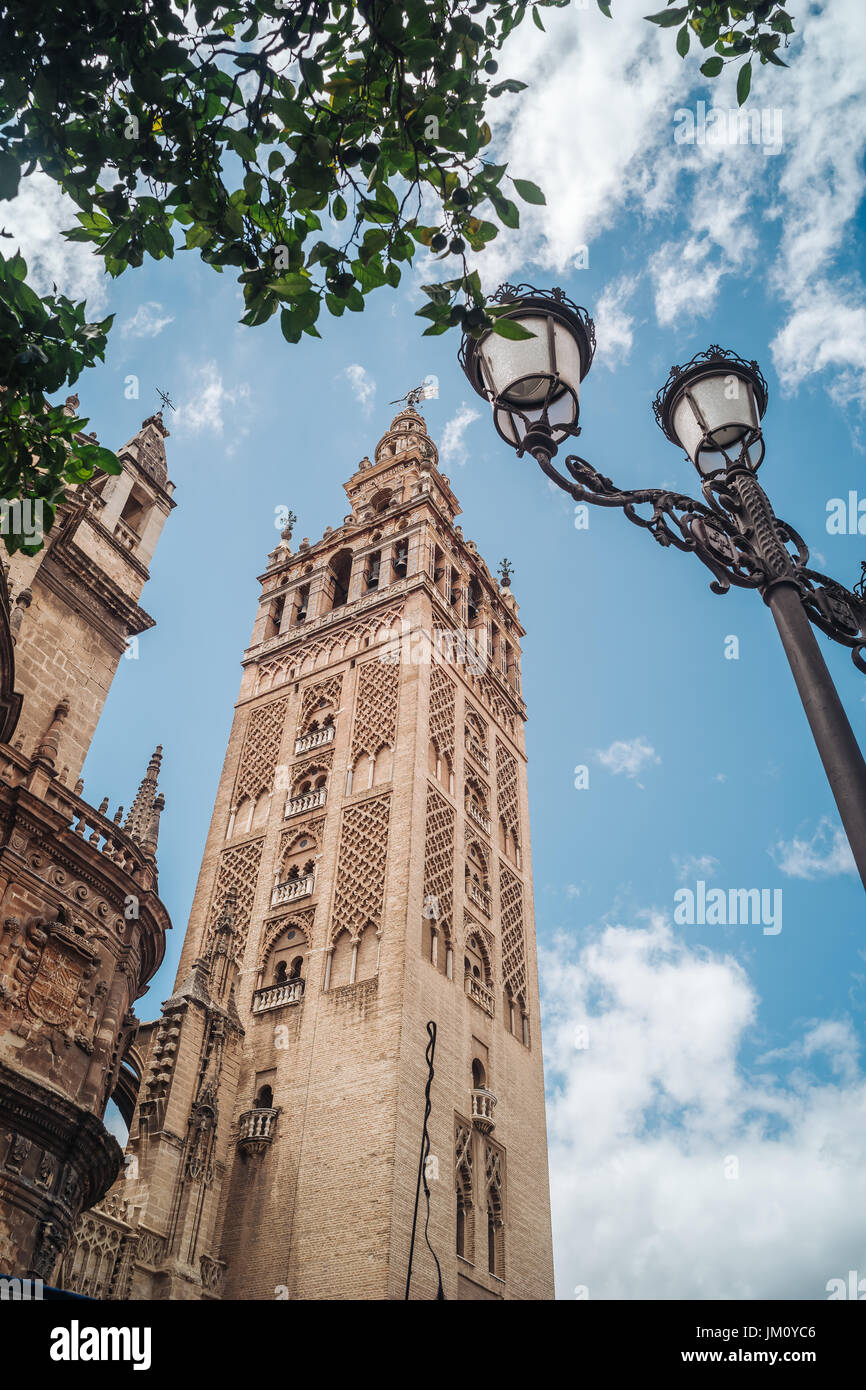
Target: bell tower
{"type": "Point", "coordinates": [367, 871]}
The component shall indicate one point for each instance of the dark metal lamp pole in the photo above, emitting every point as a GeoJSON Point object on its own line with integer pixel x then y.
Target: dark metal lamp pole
{"type": "Point", "coordinates": [712, 407]}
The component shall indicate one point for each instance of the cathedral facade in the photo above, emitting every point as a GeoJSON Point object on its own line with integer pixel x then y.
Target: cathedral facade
{"type": "Point", "coordinates": [82, 927]}
{"type": "Point", "coordinates": [343, 1097]}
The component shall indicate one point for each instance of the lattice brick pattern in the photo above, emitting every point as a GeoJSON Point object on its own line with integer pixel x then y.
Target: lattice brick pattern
{"type": "Point", "coordinates": [329, 691]}
{"type": "Point", "coordinates": [238, 870]}
{"type": "Point", "coordinates": [513, 947]}
{"type": "Point", "coordinates": [261, 749]}
{"type": "Point", "coordinates": [506, 789]}
{"type": "Point", "coordinates": [360, 890]}
{"type": "Point", "coordinates": [486, 691]}
{"type": "Point", "coordinates": [439, 860]}
{"type": "Point", "coordinates": [332, 645]}
{"type": "Point", "coordinates": [375, 708]}
{"type": "Point", "coordinates": [442, 711]}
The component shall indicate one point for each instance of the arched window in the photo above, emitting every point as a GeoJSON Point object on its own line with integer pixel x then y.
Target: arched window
{"type": "Point", "coordinates": [400, 559]}
{"type": "Point", "coordinates": [473, 600]}
{"type": "Point", "coordinates": [302, 603]}
{"type": "Point", "coordinates": [474, 962]}
{"type": "Point", "coordinates": [280, 975]}
{"type": "Point", "coordinates": [265, 1098]}
{"type": "Point", "coordinates": [339, 572]}
{"type": "Point", "coordinates": [275, 616]}
{"type": "Point", "coordinates": [479, 1075]}
{"type": "Point", "coordinates": [381, 501]}
{"type": "Point", "coordinates": [477, 883]}
{"type": "Point", "coordinates": [461, 1227]}
{"type": "Point", "coordinates": [373, 571]}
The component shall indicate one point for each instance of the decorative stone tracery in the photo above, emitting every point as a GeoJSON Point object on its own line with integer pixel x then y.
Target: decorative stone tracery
{"type": "Point", "coordinates": [375, 725]}
{"type": "Point", "coordinates": [439, 863]}
{"type": "Point", "coordinates": [513, 943]}
{"type": "Point", "coordinates": [261, 749]}
{"type": "Point", "coordinates": [359, 893]}
{"type": "Point", "coordinates": [238, 873]}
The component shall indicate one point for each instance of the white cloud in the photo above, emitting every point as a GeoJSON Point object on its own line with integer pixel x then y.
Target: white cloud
{"type": "Point", "coordinates": [453, 446]}
{"type": "Point", "coordinates": [586, 130]}
{"type": "Point", "coordinates": [362, 384]}
{"type": "Point", "coordinates": [201, 412]}
{"type": "Point", "coordinates": [628, 756]}
{"type": "Point", "coordinates": [694, 866]}
{"type": "Point", "coordinates": [649, 1123]}
{"type": "Point", "coordinates": [827, 853]}
{"type": "Point", "coordinates": [36, 218]}
{"type": "Point", "coordinates": [148, 321]}
{"type": "Point", "coordinates": [614, 327]}
{"type": "Point", "coordinates": [596, 130]}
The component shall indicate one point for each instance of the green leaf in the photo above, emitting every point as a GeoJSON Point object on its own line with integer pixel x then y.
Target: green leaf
{"type": "Point", "coordinates": [604, 6]}
{"type": "Point", "coordinates": [338, 208]}
{"type": "Point", "coordinates": [744, 83]}
{"type": "Point", "coordinates": [683, 41]}
{"type": "Point", "coordinates": [10, 173]}
{"type": "Point", "coordinates": [536, 19]}
{"type": "Point", "coordinates": [529, 192]}
{"type": "Point", "coordinates": [94, 456]}
{"type": "Point", "coordinates": [509, 328]}
{"type": "Point", "coordinates": [712, 67]}
{"type": "Point", "coordinates": [507, 210]}
{"type": "Point", "coordinates": [509, 85]}
{"type": "Point", "coordinates": [666, 19]}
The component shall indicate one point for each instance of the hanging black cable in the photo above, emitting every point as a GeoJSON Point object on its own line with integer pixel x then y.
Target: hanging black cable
{"type": "Point", "coordinates": [422, 1169]}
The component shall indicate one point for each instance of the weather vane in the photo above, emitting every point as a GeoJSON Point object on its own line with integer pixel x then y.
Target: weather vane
{"type": "Point", "coordinates": [505, 573]}
{"type": "Point", "coordinates": [428, 390]}
{"type": "Point", "coordinates": [166, 399]}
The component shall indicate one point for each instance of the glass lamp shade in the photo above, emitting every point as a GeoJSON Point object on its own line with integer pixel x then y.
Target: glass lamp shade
{"type": "Point", "coordinates": [532, 379]}
{"type": "Point", "coordinates": [713, 414]}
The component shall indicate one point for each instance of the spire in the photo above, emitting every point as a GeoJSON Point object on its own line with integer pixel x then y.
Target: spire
{"type": "Point", "coordinates": [406, 440]}
{"type": "Point", "coordinates": [141, 812]}
{"type": "Point", "coordinates": [147, 449]}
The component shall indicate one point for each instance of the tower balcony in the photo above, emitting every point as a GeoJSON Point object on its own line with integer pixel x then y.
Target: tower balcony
{"type": "Point", "coordinates": [483, 1106]}
{"type": "Point", "coordinates": [480, 897]}
{"type": "Point", "coordinates": [256, 1129]}
{"type": "Point", "coordinates": [479, 993]}
{"type": "Point", "coordinates": [275, 996]}
{"type": "Point", "coordinates": [478, 817]}
{"type": "Point", "coordinates": [478, 753]}
{"type": "Point", "coordinates": [317, 739]}
{"type": "Point", "coordinates": [291, 889]}
{"type": "Point", "coordinates": [125, 534]}
{"type": "Point", "coordinates": [310, 801]}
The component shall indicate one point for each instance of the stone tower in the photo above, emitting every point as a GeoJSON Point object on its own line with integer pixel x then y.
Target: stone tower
{"type": "Point", "coordinates": [75, 602]}
{"type": "Point", "coordinates": [82, 928]}
{"type": "Point", "coordinates": [367, 871]}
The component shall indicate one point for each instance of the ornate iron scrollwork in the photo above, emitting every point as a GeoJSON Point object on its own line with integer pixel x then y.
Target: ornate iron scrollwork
{"type": "Point", "coordinates": [735, 534]}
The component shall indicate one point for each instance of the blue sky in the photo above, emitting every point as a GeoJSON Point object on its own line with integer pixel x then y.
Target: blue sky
{"type": "Point", "coordinates": [705, 1043]}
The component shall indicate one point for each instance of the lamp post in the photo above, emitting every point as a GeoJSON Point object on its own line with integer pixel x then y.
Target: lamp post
{"type": "Point", "coordinates": [712, 408]}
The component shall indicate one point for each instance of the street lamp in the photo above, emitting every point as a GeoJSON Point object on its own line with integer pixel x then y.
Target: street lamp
{"type": "Point", "coordinates": [533, 383]}
{"type": "Point", "coordinates": [713, 409]}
